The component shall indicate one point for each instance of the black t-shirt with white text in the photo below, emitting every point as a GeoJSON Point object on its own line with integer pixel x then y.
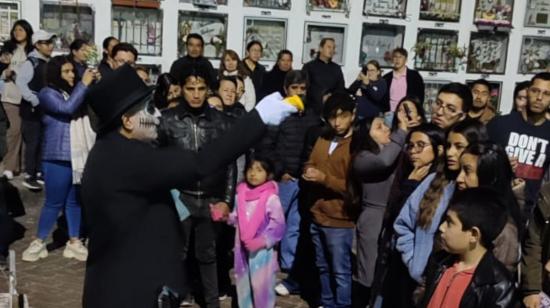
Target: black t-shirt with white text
{"type": "Point", "coordinates": [527, 142]}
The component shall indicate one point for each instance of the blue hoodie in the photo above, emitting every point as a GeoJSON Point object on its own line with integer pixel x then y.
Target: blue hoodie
{"type": "Point", "coordinates": [414, 242]}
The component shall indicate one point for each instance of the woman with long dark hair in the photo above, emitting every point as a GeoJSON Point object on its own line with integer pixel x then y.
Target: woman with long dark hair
{"type": "Point", "coordinates": [424, 153]}
{"type": "Point", "coordinates": [375, 152]}
{"type": "Point", "coordinates": [487, 165]}
{"type": "Point", "coordinates": [21, 39]}
{"type": "Point", "coordinates": [373, 90]}
{"type": "Point", "coordinates": [77, 56]}
{"type": "Point", "coordinates": [419, 219]}
{"type": "Point", "coordinates": [60, 100]}
{"type": "Point", "coordinates": [254, 50]}
{"type": "Point", "coordinates": [107, 63]}
{"type": "Point", "coordinates": [274, 79]}
{"type": "Point", "coordinates": [520, 97]}
{"type": "Point", "coordinates": [412, 108]}
{"type": "Point", "coordinates": [167, 93]}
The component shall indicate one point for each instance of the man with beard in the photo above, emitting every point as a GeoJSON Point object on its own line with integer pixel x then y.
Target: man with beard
{"type": "Point", "coordinates": [134, 233]}
{"type": "Point", "coordinates": [482, 109]}
{"type": "Point", "coordinates": [525, 137]}
{"type": "Point", "coordinates": [333, 224]}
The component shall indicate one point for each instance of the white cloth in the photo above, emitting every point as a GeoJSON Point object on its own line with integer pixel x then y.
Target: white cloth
{"type": "Point", "coordinates": [10, 92]}
{"type": "Point", "coordinates": [273, 110]}
{"type": "Point", "coordinates": [82, 141]}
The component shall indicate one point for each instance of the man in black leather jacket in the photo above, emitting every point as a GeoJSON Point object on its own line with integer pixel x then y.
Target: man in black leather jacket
{"type": "Point", "coordinates": [191, 125]}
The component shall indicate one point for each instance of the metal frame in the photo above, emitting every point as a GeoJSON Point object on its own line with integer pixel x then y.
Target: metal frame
{"type": "Point", "coordinates": [487, 35]}
{"type": "Point", "coordinates": [365, 27]}
{"type": "Point", "coordinates": [142, 47]}
{"type": "Point", "coordinates": [536, 9]}
{"type": "Point", "coordinates": [402, 14]}
{"type": "Point", "coordinates": [457, 19]}
{"type": "Point", "coordinates": [267, 6]}
{"type": "Point", "coordinates": [9, 22]}
{"type": "Point", "coordinates": [435, 32]}
{"type": "Point", "coordinates": [307, 24]}
{"type": "Point", "coordinates": [254, 18]}
{"type": "Point", "coordinates": [312, 7]}
{"type": "Point", "coordinates": [522, 58]}
{"type": "Point", "coordinates": [66, 4]}
{"type": "Point", "coordinates": [193, 15]}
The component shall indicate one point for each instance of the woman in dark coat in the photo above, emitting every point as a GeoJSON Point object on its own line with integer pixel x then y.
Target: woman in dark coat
{"type": "Point", "coordinates": [133, 227]}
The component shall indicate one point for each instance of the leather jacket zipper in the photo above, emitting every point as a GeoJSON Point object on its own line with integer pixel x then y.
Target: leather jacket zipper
{"type": "Point", "coordinates": [196, 148]}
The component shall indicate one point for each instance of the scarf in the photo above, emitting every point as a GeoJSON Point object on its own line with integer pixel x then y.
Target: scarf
{"type": "Point", "coordinates": [82, 139]}
{"type": "Point", "coordinates": [248, 227]}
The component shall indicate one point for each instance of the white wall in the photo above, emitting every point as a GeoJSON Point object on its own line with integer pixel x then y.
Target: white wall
{"type": "Point", "coordinates": [296, 18]}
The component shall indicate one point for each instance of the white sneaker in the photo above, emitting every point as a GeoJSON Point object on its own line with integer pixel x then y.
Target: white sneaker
{"type": "Point", "coordinates": [281, 290]}
{"type": "Point", "coordinates": [8, 174]}
{"type": "Point", "coordinates": [76, 250]}
{"type": "Point", "coordinates": [36, 251]}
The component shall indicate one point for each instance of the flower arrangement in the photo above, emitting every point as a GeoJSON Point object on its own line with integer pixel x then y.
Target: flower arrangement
{"type": "Point", "coordinates": [454, 56]}
{"type": "Point", "coordinates": [489, 16]}
{"type": "Point", "coordinates": [92, 56]}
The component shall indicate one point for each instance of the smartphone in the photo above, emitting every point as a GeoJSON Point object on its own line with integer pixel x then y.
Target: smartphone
{"type": "Point", "coordinates": [364, 70]}
{"type": "Point", "coordinates": [407, 112]}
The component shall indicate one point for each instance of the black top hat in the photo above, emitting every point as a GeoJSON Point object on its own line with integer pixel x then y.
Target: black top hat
{"type": "Point", "coordinates": [115, 94]}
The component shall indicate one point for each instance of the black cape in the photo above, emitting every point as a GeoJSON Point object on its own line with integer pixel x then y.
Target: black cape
{"type": "Point", "coordinates": [135, 244]}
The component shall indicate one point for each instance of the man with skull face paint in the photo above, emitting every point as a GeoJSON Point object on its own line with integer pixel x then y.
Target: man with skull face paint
{"type": "Point", "coordinates": [135, 244]}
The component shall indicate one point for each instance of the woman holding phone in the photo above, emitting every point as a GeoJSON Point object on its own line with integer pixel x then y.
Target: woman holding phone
{"type": "Point", "coordinates": [372, 89]}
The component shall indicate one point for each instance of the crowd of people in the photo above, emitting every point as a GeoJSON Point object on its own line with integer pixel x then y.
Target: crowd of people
{"type": "Point", "coordinates": [364, 198]}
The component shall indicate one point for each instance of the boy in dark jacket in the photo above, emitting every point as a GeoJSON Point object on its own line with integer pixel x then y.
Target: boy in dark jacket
{"type": "Point", "coordinates": [471, 276]}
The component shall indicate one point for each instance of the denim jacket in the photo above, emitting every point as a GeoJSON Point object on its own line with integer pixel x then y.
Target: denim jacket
{"type": "Point", "coordinates": [58, 113]}
{"type": "Point", "coordinates": [414, 242]}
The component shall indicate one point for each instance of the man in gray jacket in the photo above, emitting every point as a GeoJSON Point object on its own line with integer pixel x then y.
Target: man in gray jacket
{"type": "Point", "coordinates": [29, 80]}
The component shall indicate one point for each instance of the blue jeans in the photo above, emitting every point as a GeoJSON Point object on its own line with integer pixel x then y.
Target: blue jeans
{"type": "Point", "coordinates": [60, 193]}
{"type": "Point", "coordinates": [288, 193]}
{"type": "Point", "coordinates": [333, 259]}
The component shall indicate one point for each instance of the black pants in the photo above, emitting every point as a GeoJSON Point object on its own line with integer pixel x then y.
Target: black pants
{"type": "Point", "coordinates": [200, 233]}
{"type": "Point", "coordinates": [32, 132]}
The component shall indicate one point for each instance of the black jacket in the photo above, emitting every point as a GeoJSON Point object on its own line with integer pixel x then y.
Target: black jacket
{"type": "Point", "coordinates": [323, 78]}
{"type": "Point", "coordinates": [191, 130]}
{"type": "Point", "coordinates": [135, 241]}
{"type": "Point", "coordinates": [491, 285]}
{"type": "Point", "coordinates": [257, 75]}
{"type": "Point", "coordinates": [234, 112]}
{"type": "Point", "coordinates": [273, 81]}
{"type": "Point", "coordinates": [415, 86]}
{"type": "Point", "coordinates": [177, 68]}
{"type": "Point", "coordinates": [284, 143]}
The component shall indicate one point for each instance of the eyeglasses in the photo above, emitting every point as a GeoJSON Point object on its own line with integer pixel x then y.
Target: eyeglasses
{"type": "Point", "coordinates": [447, 109]}
{"type": "Point", "coordinates": [418, 147]}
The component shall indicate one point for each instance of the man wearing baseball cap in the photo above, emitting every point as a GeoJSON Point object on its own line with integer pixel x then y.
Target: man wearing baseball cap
{"type": "Point", "coordinates": [29, 80]}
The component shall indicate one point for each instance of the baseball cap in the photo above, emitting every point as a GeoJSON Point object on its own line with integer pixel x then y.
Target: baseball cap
{"type": "Point", "coordinates": [41, 35]}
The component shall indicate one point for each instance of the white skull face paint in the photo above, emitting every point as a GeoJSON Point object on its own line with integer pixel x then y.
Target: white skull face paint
{"type": "Point", "coordinates": [146, 122]}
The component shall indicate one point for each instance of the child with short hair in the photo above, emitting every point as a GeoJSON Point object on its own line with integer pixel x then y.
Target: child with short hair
{"type": "Point", "coordinates": [470, 276]}
{"type": "Point", "coordinates": [260, 222]}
